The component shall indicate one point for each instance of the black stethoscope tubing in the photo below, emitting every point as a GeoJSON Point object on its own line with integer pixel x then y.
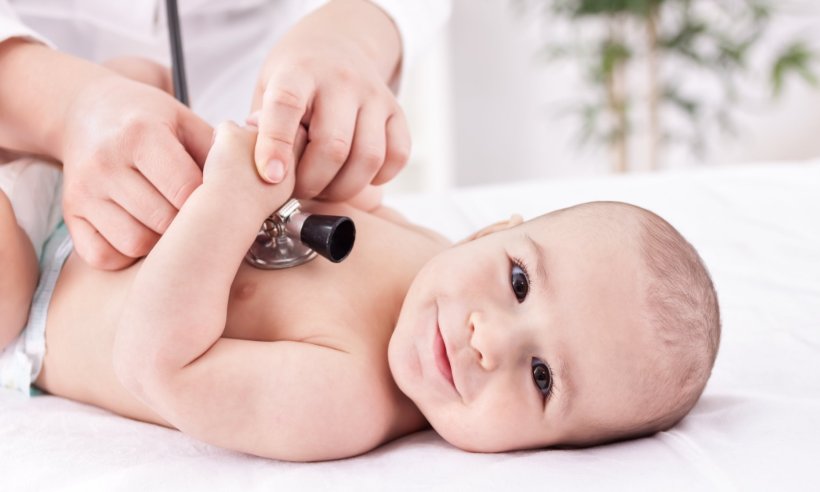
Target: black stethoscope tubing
{"type": "Point", "coordinates": [177, 58]}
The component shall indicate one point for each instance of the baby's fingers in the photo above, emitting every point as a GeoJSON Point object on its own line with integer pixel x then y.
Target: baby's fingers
{"type": "Point", "coordinates": [232, 144]}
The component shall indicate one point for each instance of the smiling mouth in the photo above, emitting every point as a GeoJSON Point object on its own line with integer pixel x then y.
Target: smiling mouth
{"type": "Point", "coordinates": [442, 359]}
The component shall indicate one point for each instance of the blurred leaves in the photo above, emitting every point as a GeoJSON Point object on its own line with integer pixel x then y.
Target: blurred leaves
{"type": "Point", "coordinates": [714, 40]}
{"type": "Point", "coordinates": [581, 8]}
{"type": "Point", "coordinates": [795, 59]}
{"type": "Point", "coordinates": [611, 55]}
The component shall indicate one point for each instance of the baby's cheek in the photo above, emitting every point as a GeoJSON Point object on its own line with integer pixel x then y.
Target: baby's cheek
{"type": "Point", "coordinates": [473, 271]}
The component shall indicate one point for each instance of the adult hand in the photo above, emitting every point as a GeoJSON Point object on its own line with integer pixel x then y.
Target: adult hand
{"type": "Point", "coordinates": [131, 157]}
{"type": "Point", "coordinates": [330, 73]}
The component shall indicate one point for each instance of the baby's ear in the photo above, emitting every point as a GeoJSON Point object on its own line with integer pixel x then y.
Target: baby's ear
{"type": "Point", "coordinates": [513, 221]}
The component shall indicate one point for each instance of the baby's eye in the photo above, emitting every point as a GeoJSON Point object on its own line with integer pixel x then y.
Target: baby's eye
{"type": "Point", "coordinates": [520, 282]}
{"type": "Point", "coordinates": [541, 376]}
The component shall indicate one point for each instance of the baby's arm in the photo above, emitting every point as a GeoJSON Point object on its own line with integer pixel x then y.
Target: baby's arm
{"type": "Point", "coordinates": [18, 274]}
{"type": "Point", "coordinates": [280, 399]}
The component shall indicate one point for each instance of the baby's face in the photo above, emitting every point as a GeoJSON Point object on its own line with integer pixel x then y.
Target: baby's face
{"type": "Point", "coordinates": [527, 337]}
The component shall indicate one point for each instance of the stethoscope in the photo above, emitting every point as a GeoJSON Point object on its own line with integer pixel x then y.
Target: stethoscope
{"type": "Point", "coordinates": [289, 237]}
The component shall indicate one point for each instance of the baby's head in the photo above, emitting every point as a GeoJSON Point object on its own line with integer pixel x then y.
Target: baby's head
{"type": "Point", "coordinates": [590, 324]}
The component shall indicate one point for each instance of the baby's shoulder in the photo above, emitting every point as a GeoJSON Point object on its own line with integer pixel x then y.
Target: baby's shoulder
{"type": "Point", "coordinates": [394, 216]}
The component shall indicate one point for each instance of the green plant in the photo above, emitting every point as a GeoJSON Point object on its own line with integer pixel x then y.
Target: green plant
{"type": "Point", "coordinates": [611, 39]}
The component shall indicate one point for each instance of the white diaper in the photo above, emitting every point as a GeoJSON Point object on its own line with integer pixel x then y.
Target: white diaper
{"type": "Point", "coordinates": [34, 189]}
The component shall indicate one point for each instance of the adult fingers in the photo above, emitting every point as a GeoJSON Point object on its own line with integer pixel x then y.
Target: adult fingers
{"type": "Point", "coordinates": [369, 199]}
{"type": "Point", "coordinates": [170, 169]}
{"type": "Point", "coordinates": [367, 156]}
{"type": "Point", "coordinates": [122, 231]}
{"type": "Point", "coordinates": [300, 143]}
{"type": "Point", "coordinates": [196, 135]}
{"type": "Point", "coordinates": [398, 148]}
{"type": "Point", "coordinates": [284, 104]}
{"type": "Point", "coordinates": [137, 196]}
{"type": "Point", "coordinates": [92, 247]}
{"type": "Point", "coordinates": [330, 136]}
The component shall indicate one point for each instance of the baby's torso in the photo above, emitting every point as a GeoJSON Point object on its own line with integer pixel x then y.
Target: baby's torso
{"type": "Point", "coordinates": [351, 306]}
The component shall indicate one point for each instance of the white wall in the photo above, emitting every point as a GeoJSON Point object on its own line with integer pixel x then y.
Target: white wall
{"type": "Point", "coordinates": [483, 108]}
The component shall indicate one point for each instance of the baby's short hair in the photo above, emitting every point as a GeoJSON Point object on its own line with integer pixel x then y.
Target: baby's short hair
{"type": "Point", "coordinates": [681, 312]}
{"type": "Point", "coordinates": [684, 316]}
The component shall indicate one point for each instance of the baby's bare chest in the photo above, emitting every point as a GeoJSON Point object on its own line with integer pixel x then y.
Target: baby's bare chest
{"type": "Point", "coordinates": [356, 300]}
{"type": "Point", "coordinates": [329, 304]}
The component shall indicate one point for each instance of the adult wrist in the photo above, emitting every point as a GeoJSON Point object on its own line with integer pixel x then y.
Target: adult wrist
{"type": "Point", "coordinates": [372, 30]}
{"type": "Point", "coordinates": [68, 100]}
{"type": "Point", "coordinates": [382, 41]}
{"type": "Point", "coordinates": [39, 85]}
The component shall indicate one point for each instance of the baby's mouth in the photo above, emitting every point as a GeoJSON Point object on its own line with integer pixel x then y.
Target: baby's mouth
{"type": "Point", "coordinates": [441, 357]}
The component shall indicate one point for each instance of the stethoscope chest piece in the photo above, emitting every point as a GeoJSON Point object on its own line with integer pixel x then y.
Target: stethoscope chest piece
{"type": "Point", "coordinates": [290, 237]}
{"type": "Point", "coordinates": [272, 249]}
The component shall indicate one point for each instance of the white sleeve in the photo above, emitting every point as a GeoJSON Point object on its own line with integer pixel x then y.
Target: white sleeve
{"type": "Point", "coordinates": [11, 27]}
{"type": "Point", "coordinates": [417, 21]}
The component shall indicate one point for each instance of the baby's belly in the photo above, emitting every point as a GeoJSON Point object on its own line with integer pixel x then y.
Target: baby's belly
{"type": "Point", "coordinates": [80, 331]}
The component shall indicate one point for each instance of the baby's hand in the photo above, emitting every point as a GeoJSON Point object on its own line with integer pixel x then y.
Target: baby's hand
{"type": "Point", "coordinates": [230, 169]}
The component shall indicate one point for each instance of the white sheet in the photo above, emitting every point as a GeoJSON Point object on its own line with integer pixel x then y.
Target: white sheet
{"type": "Point", "coordinates": [757, 427]}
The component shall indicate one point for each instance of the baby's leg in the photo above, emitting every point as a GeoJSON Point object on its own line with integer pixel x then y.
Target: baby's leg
{"type": "Point", "coordinates": [18, 274]}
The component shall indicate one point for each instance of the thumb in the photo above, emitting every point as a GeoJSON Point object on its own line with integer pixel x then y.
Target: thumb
{"type": "Point", "coordinates": [273, 156]}
{"type": "Point", "coordinates": [285, 103]}
{"type": "Point", "coordinates": [298, 145]}
{"type": "Point", "coordinates": [196, 135]}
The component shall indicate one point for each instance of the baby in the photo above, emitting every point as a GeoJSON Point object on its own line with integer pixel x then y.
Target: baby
{"type": "Point", "coordinates": [586, 325]}
{"type": "Point", "coordinates": [589, 324]}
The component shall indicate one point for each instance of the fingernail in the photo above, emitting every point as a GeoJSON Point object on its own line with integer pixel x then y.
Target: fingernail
{"type": "Point", "coordinates": [275, 170]}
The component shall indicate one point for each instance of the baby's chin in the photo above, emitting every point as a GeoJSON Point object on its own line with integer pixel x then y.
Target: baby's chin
{"type": "Point", "coordinates": [486, 443]}
{"type": "Point", "coordinates": [480, 438]}
{"type": "Point", "coordinates": [392, 362]}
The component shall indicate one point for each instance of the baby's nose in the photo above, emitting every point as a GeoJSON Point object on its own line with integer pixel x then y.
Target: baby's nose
{"type": "Point", "coordinates": [488, 341]}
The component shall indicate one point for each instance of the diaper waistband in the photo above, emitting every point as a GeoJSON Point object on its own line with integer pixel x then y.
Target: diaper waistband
{"type": "Point", "coordinates": [22, 360]}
